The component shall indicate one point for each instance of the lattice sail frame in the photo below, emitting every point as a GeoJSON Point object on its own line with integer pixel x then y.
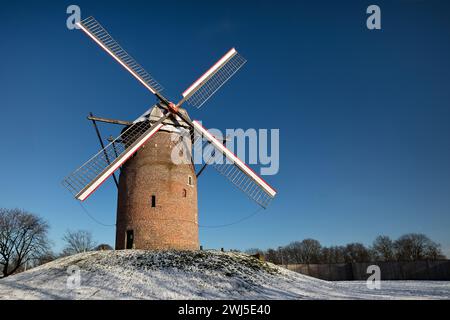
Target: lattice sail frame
{"type": "Point", "coordinates": [243, 182]}
{"type": "Point", "coordinates": [213, 79]}
{"type": "Point", "coordinates": [234, 169]}
{"type": "Point", "coordinates": [99, 34]}
{"type": "Point", "coordinates": [93, 173]}
{"type": "Point", "coordinates": [86, 179]}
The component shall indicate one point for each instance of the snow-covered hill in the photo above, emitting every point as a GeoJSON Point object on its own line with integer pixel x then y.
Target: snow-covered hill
{"type": "Point", "coordinates": [191, 275]}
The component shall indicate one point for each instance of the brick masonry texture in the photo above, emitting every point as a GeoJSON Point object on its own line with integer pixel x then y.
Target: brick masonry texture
{"type": "Point", "coordinates": [173, 223]}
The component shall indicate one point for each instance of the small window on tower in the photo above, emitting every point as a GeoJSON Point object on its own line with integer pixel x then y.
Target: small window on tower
{"type": "Point", "coordinates": [190, 181]}
{"type": "Point", "coordinates": [184, 193]}
{"type": "Point", "coordinates": [153, 201]}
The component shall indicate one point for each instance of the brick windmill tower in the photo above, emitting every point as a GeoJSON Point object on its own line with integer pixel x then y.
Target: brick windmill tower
{"type": "Point", "coordinates": [157, 190]}
{"type": "Point", "coordinates": [157, 199]}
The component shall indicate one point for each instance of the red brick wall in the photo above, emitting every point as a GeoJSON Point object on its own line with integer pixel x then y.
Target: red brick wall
{"type": "Point", "coordinates": [172, 224]}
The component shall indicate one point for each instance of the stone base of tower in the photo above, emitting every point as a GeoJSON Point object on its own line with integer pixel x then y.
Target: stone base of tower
{"type": "Point", "coordinates": [157, 199]}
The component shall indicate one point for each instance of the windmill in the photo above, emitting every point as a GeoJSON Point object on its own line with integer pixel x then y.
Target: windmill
{"type": "Point", "coordinates": [157, 199]}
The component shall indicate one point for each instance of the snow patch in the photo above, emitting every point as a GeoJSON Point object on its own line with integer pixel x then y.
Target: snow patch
{"type": "Point", "coordinates": [139, 274]}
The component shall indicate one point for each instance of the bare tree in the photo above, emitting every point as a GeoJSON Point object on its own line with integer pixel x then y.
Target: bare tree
{"type": "Point", "coordinates": [408, 247]}
{"type": "Point", "coordinates": [282, 255]}
{"type": "Point", "coordinates": [23, 238]}
{"type": "Point", "coordinates": [434, 252]}
{"type": "Point", "coordinates": [310, 251]}
{"type": "Point", "coordinates": [334, 254]}
{"type": "Point", "coordinates": [273, 256]}
{"type": "Point", "coordinates": [77, 242]}
{"type": "Point", "coordinates": [305, 251]}
{"type": "Point", "coordinates": [252, 251]}
{"type": "Point", "coordinates": [337, 254]}
{"type": "Point", "coordinates": [383, 249]}
{"type": "Point", "coordinates": [325, 255]}
{"type": "Point", "coordinates": [356, 252]}
{"type": "Point", "coordinates": [292, 252]}
{"type": "Point", "coordinates": [416, 246]}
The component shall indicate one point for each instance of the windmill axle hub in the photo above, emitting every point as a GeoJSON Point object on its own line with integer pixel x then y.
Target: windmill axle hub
{"type": "Point", "coordinates": [173, 108]}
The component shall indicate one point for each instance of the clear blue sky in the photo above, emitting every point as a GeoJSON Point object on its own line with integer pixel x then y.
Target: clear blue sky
{"type": "Point", "coordinates": [363, 115]}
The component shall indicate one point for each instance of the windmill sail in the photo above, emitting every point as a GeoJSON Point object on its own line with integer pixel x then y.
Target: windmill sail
{"type": "Point", "coordinates": [211, 81]}
{"type": "Point", "coordinates": [236, 171]}
{"type": "Point", "coordinates": [86, 179]}
{"type": "Point", "coordinates": [97, 33]}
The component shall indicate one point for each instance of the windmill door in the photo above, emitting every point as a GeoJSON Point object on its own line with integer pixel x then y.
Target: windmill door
{"type": "Point", "coordinates": [130, 238]}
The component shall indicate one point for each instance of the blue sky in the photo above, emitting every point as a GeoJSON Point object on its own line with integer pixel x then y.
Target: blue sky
{"type": "Point", "coordinates": [363, 115]}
